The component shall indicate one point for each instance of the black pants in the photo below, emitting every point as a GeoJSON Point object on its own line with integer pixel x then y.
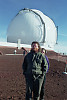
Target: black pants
{"type": "Point", "coordinates": [33, 84]}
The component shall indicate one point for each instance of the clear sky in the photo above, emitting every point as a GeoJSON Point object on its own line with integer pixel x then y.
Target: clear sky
{"type": "Point", "coordinates": [55, 9]}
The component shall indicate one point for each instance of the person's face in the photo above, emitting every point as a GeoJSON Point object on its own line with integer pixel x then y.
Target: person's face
{"type": "Point", "coordinates": [35, 47]}
{"type": "Point", "coordinates": [43, 51]}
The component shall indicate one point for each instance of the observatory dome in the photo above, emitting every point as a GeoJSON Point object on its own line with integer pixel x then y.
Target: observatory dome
{"type": "Point", "coordinates": [32, 25]}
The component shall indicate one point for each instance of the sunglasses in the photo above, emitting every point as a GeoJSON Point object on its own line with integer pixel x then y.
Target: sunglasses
{"type": "Point", "coordinates": [34, 45]}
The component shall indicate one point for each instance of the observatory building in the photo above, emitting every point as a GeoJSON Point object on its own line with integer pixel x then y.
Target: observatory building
{"type": "Point", "coordinates": [32, 25]}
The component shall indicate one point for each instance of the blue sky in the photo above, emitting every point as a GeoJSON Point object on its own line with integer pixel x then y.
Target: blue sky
{"type": "Point", "coordinates": [55, 9]}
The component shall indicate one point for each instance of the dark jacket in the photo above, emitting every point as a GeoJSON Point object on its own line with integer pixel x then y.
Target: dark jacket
{"type": "Point", "coordinates": [35, 63]}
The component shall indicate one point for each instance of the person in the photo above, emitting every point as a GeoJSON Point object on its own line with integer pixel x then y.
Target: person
{"type": "Point", "coordinates": [43, 51]}
{"type": "Point", "coordinates": [32, 66]}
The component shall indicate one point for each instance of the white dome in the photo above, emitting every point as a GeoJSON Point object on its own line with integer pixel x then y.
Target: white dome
{"type": "Point", "coordinates": [32, 25]}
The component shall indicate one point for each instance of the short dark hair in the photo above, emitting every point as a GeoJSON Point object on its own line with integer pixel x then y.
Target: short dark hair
{"type": "Point", "coordinates": [43, 49]}
{"type": "Point", "coordinates": [35, 42]}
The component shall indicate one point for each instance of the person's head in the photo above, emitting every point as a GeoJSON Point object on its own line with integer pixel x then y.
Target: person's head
{"type": "Point", "coordinates": [43, 51]}
{"type": "Point", "coordinates": [35, 46]}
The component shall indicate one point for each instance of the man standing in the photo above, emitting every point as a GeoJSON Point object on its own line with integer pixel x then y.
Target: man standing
{"type": "Point", "coordinates": [34, 69]}
{"type": "Point", "coordinates": [42, 94]}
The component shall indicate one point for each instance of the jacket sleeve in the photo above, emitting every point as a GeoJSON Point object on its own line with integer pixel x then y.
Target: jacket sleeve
{"type": "Point", "coordinates": [44, 65]}
{"type": "Point", "coordinates": [47, 62]}
{"type": "Point", "coordinates": [24, 66]}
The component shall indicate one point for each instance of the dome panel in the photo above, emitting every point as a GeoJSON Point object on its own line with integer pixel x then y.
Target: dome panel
{"type": "Point", "coordinates": [32, 25]}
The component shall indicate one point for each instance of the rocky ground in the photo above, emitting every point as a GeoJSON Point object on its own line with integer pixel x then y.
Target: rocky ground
{"type": "Point", "coordinates": [12, 81]}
